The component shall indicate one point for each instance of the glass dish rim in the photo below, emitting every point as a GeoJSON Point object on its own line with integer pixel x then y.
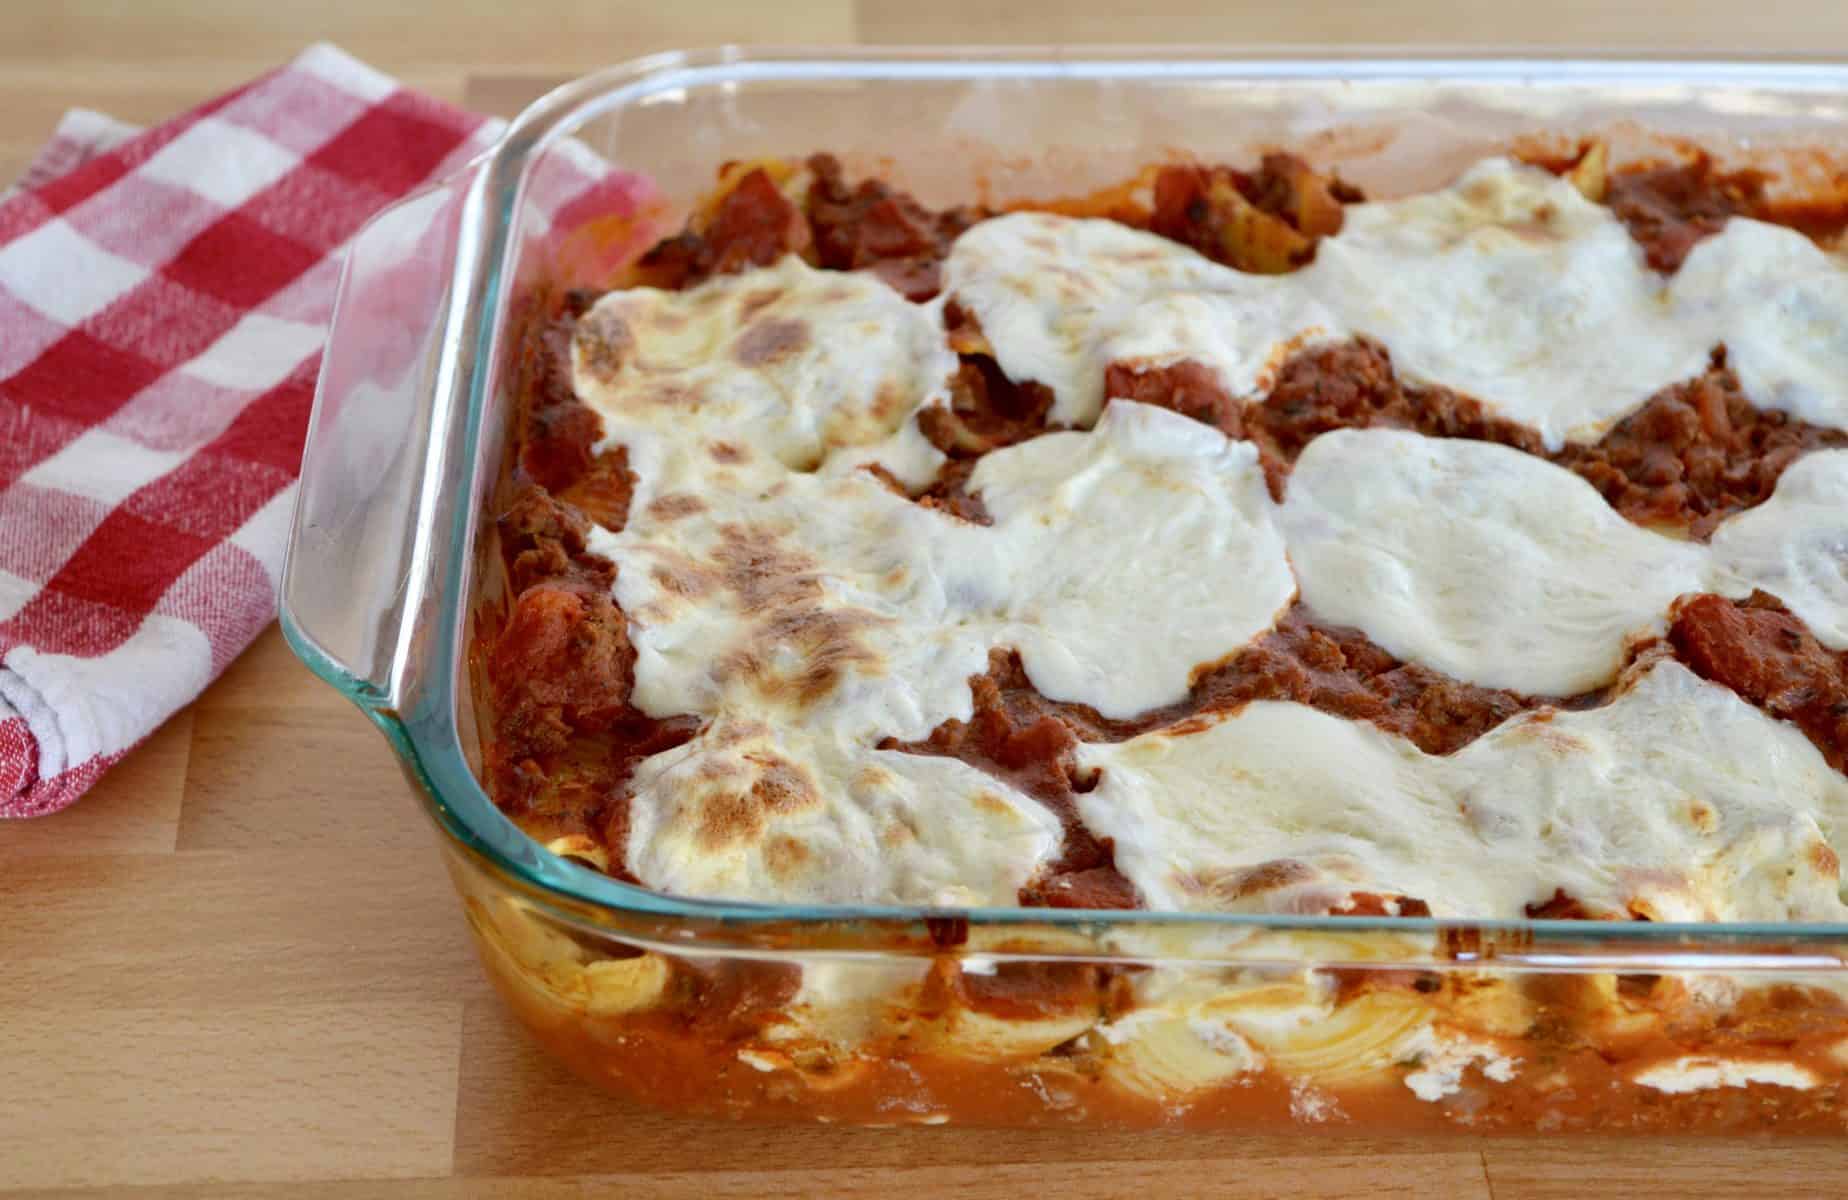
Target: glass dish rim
{"type": "Point", "coordinates": [426, 736]}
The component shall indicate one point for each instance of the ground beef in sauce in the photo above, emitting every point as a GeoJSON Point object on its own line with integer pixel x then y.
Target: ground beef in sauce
{"type": "Point", "coordinates": [872, 225]}
{"type": "Point", "coordinates": [1020, 738]}
{"type": "Point", "coordinates": [559, 672]}
{"type": "Point", "coordinates": [1027, 739]}
{"type": "Point", "coordinates": [1268, 220]}
{"type": "Point", "coordinates": [1760, 650]}
{"type": "Point", "coordinates": [1341, 385]}
{"type": "Point", "coordinates": [987, 410]}
{"type": "Point", "coordinates": [1017, 990]}
{"type": "Point", "coordinates": [734, 999]}
{"type": "Point", "coordinates": [1189, 388]}
{"type": "Point", "coordinates": [560, 667]}
{"type": "Point", "coordinates": [754, 225]}
{"type": "Point", "coordinates": [950, 493]}
{"type": "Point", "coordinates": [1669, 209]}
{"type": "Point", "coordinates": [1338, 671]}
{"type": "Point", "coordinates": [557, 430]}
{"type": "Point", "coordinates": [1696, 453]}
{"type": "Point", "coordinates": [562, 663]}
{"type": "Point", "coordinates": [839, 226]}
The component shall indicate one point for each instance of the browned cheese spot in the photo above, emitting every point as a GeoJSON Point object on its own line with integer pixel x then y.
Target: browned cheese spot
{"type": "Point", "coordinates": [889, 403]}
{"type": "Point", "coordinates": [781, 786]}
{"type": "Point", "coordinates": [736, 733]}
{"type": "Point", "coordinates": [765, 574]}
{"type": "Point", "coordinates": [782, 589]}
{"type": "Point", "coordinates": [993, 805]}
{"type": "Point", "coordinates": [734, 814]}
{"type": "Point", "coordinates": [825, 644]}
{"type": "Point", "coordinates": [785, 857]}
{"type": "Point", "coordinates": [675, 395]}
{"type": "Point", "coordinates": [675, 505]}
{"type": "Point", "coordinates": [684, 578]}
{"type": "Point", "coordinates": [769, 341]}
{"type": "Point", "coordinates": [755, 302]}
{"type": "Point", "coordinates": [605, 341]}
{"type": "Point", "coordinates": [1271, 876]}
{"type": "Point", "coordinates": [728, 817]}
{"type": "Point", "coordinates": [719, 768]}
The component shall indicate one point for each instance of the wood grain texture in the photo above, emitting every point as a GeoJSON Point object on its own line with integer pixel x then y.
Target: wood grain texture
{"type": "Point", "coordinates": [112, 1095]}
{"type": "Point", "coordinates": [237, 968]}
{"type": "Point", "coordinates": [1637, 26]}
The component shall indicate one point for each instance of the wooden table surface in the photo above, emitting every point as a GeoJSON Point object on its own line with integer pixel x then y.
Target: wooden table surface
{"type": "Point", "coordinates": [236, 968]}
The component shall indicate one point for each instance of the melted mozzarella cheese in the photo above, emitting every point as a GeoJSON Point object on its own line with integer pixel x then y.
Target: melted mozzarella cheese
{"type": "Point", "coordinates": [1485, 563]}
{"type": "Point", "coordinates": [1162, 538]}
{"type": "Point", "coordinates": [812, 600]}
{"type": "Point", "coordinates": [1512, 287]}
{"type": "Point", "coordinates": [1677, 800]}
{"type": "Point", "coordinates": [1509, 286]}
{"type": "Point", "coordinates": [747, 813]}
{"type": "Point", "coordinates": [830, 600]}
{"type": "Point", "coordinates": [786, 361]}
{"type": "Point", "coordinates": [1061, 299]}
{"type": "Point", "coordinates": [1504, 570]}
{"type": "Point", "coordinates": [1777, 301]}
{"type": "Point", "coordinates": [844, 614]}
{"type": "Point", "coordinates": [1795, 545]}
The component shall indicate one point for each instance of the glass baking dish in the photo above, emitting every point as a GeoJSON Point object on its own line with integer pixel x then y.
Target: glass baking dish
{"type": "Point", "coordinates": [1015, 1016]}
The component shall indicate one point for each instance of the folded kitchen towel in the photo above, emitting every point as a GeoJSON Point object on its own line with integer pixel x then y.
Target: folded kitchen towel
{"type": "Point", "coordinates": [164, 296]}
{"type": "Point", "coordinates": [81, 135]}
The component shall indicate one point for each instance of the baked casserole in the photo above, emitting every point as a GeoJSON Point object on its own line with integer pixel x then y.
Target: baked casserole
{"type": "Point", "coordinates": [1224, 542]}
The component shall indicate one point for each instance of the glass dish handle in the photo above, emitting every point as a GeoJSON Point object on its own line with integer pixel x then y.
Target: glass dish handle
{"type": "Point", "coordinates": [382, 410]}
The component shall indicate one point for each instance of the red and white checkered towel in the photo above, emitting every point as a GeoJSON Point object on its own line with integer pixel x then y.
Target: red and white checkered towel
{"type": "Point", "coordinates": [163, 301]}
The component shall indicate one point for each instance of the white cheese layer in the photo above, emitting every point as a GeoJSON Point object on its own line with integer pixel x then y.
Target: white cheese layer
{"type": "Point", "coordinates": [830, 601]}
{"type": "Point", "coordinates": [1485, 563]}
{"type": "Point", "coordinates": [785, 361]}
{"type": "Point", "coordinates": [1677, 801]}
{"type": "Point", "coordinates": [746, 812]}
{"type": "Point", "coordinates": [1505, 570]}
{"type": "Point", "coordinates": [844, 614]}
{"type": "Point", "coordinates": [1777, 300]}
{"type": "Point", "coordinates": [1692, 1073]}
{"type": "Point", "coordinates": [1795, 545]}
{"type": "Point", "coordinates": [1508, 285]}
{"type": "Point", "coordinates": [1153, 532]}
{"type": "Point", "coordinates": [1061, 299]}
{"type": "Point", "coordinates": [1512, 287]}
